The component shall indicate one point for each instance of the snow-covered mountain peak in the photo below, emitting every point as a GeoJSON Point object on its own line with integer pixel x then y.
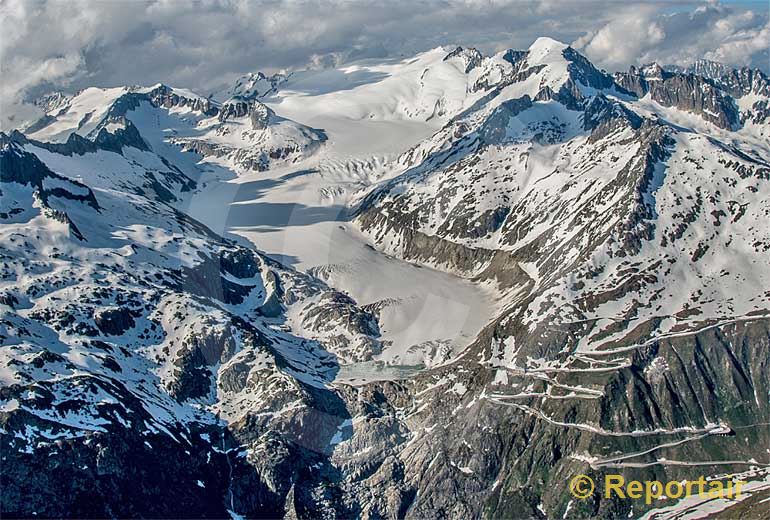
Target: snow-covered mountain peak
{"type": "Point", "coordinates": [254, 85]}
{"type": "Point", "coordinates": [549, 69]}
{"type": "Point", "coordinates": [546, 50]}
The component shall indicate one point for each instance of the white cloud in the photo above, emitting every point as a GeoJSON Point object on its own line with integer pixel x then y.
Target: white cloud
{"type": "Point", "coordinates": [622, 40]}
{"type": "Point", "coordinates": [734, 36]}
{"type": "Point", "coordinates": [742, 46]}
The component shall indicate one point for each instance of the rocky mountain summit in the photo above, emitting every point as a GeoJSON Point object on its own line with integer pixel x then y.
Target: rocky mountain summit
{"type": "Point", "coordinates": [157, 360]}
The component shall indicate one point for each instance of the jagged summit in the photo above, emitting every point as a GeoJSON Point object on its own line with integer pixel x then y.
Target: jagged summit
{"type": "Point", "coordinates": [709, 69]}
{"type": "Point", "coordinates": [471, 58]}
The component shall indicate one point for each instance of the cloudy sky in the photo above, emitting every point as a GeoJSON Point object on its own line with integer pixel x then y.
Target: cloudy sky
{"type": "Point", "coordinates": [70, 44]}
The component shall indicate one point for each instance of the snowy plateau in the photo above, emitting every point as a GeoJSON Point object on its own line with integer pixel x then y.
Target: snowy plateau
{"type": "Point", "coordinates": [428, 287]}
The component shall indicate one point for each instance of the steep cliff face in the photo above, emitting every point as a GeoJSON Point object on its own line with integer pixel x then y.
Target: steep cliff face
{"type": "Point", "coordinates": [687, 92]}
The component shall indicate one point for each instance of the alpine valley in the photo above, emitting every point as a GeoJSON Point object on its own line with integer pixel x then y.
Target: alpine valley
{"type": "Point", "coordinates": [433, 287]}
